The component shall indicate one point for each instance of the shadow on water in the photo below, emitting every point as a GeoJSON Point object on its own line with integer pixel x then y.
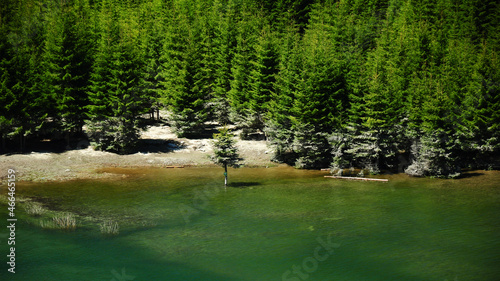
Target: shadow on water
{"type": "Point", "coordinates": [469, 175]}
{"type": "Point", "coordinates": [243, 184]}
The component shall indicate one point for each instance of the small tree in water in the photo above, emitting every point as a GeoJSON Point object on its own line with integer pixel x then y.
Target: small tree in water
{"type": "Point", "coordinates": [225, 153]}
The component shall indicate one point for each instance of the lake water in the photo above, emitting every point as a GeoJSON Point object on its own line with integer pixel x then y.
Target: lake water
{"type": "Point", "coordinates": [272, 224]}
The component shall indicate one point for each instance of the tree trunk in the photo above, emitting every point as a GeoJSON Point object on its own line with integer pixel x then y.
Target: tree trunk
{"type": "Point", "coordinates": [4, 149]}
{"type": "Point", "coordinates": [68, 147]}
{"type": "Point", "coordinates": [21, 142]}
{"type": "Point", "coordinates": [225, 175]}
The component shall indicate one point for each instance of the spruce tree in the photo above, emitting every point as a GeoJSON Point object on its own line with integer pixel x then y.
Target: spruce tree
{"type": "Point", "coordinates": [225, 153]}
{"type": "Point", "coordinates": [67, 64]}
{"type": "Point", "coordinates": [278, 126]}
{"type": "Point", "coordinates": [373, 127]}
{"type": "Point", "coordinates": [321, 99]}
{"type": "Point", "coordinates": [152, 20]}
{"type": "Point", "coordinates": [26, 103]}
{"type": "Point", "coordinates": [116, 95]}
{"type": "Point", "coordinates": [224, 15]}
{"type": "Point", "coordinates": [262, 79]}
{"type": "Point", "coordinates": [240, 94]}
{"type": "Point", "coordinates": [180, 69]}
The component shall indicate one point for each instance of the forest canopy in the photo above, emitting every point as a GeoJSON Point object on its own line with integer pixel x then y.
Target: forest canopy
{"type": "Point", "coordinates": [396, 85]}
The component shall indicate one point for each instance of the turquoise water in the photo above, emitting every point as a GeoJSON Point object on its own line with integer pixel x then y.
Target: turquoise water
{"type": "Point", "coordinates": [272, 224]}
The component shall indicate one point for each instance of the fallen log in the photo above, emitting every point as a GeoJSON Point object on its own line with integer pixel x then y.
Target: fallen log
{"type": "Point", "coordinates": [355, 178]}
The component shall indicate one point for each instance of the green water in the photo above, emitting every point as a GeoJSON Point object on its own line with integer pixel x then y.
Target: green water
{"type": "Point", "coordinates": [181, 224]}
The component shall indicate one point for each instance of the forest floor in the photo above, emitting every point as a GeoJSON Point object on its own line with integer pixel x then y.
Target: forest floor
{"type": "Point", "coordinates": [158, 147]}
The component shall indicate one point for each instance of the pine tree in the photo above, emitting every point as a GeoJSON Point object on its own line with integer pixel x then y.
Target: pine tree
{"type": "Point", "coordinates": [321, 100]}
{"type": "Point", "coordinates": [67, 64]}
{"type": "Point", "coordinates": [239, 95]}
{"type": "Point", "coordinates": [261, 80]}
{"type": "Point", "coordinates": [432, 151]}
{"type": "Point", "coordinates": [26, 104]}
{"type": "Point", "coordinates": [375, 117]}
{"type": "Point", "coordinates": [486, 118]}
{"type": "Point", "coordinates": [180, 69]}
{"type": "Point", "coordinates": [116, 95]}
{"type": "Point", "coordinates": [224, 41]}
{"type": "Point", "coordinates": [278, 126]}
{"type": "Point", "coordinates": [225, 153]}
{"type": "Point", "coordinates": [152, 28]}
{"type": "Point", "coordinates": [6, 100]}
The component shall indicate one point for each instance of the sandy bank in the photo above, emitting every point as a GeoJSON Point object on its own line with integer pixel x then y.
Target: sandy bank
{"type": "Point", "coordinates": [162, 149]}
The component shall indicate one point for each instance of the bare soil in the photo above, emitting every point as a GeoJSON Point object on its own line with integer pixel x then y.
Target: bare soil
{"type": "Point", "coordinates": [160, 147]}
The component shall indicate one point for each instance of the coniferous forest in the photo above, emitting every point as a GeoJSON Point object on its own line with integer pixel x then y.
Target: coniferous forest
{"type": "Point", "coordinates": [395, 85]}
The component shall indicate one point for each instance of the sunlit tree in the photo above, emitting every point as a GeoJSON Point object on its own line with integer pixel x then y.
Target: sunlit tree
{"type": "Point", "coordinates": [225, 152]}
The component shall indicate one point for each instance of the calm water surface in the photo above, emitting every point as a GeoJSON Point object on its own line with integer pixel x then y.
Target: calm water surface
{"type": "Point", "coordinates": [272, 224]}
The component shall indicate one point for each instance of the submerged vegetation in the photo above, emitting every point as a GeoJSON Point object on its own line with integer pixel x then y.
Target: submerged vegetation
{"type": "Point", "coordinates": [381, 227]}
{"type": "Point", "coordinates": [109, 228]}
{"type": "Point", "coordinates": [65, 221]}
{"type": "Point", "coordinates": [34, 209]}
{"type": "Point", "coordinates": [408, 86]}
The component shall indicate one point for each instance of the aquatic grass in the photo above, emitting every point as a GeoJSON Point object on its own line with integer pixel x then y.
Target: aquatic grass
{"type": "Point", "coordinates": [109, 227]}
{"type": "Point", "coordinates": [64, 221]}
{"type": "Point", "coordinates": [34, 209]}
{"type": "Point", "coordinates": [47, 224]}
{"type": "Point", "coordinates": [3, 198]}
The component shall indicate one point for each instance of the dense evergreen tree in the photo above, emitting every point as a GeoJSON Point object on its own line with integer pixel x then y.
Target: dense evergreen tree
{"type": "Point", "coordinates": [382, 84]}
{"type": "Point", "coordinates": [67, 63]}
{"type": "Point", "coordinates": [278, 127]}
{"type": "Point", "coordinates": [374, 127]}
{"type": "Point", "coordinates": [321, 98]}
{"type": "Point", "coordinates": [262, 78]}
{"type": "Point", "coordinates": [224, 17]}
{"type": "Point", "coordinates": [22, 98]}
{"type": "Point", "coordinates": [152, 26]}
{"type": "Point", "coordinates": [240, 93]}
{"type": "Point", "coordinates": [116, 95]}
{"type": "Point", "coordinates": [181, 68]}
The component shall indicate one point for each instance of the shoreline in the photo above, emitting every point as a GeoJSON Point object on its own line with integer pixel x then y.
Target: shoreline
{"type": "Point", "coordinates": [167, 150]}
{"type": "Point", "coordinates": [89, 164]}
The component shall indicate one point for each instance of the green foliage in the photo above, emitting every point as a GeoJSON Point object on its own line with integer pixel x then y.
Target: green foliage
{"type": "Point", "coordinates": [361, 83]}
{"type": "Point", "coordinates": [225, 153]}
{"type": "Point", "coordinates": [115, 134]}
{"type": "Point", "coordinates": [244, 65]}
{"type": "Point", "coordinates": [26, 105]}
{"type": "Point", "coordinates": [311, 147]}
{"type": "Point", "coordinates": [116, 97]}
{"type": "Point", "coordinates": [432, 157]}
{"type": "Point", "coordinates": [223, 17]}
{"type": "Point", "coordinates": [278, 125]}
{"type": "Point", "coordinates": [262, 78]}
{"type": "Point", "coordinates": [182, 75]}
{"type": "Point", "coordinates": [67, 64]}
{"type": "Point", "coordinates": [152, 20]}
{"type": "Point", "coordinates": [320, 98]}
